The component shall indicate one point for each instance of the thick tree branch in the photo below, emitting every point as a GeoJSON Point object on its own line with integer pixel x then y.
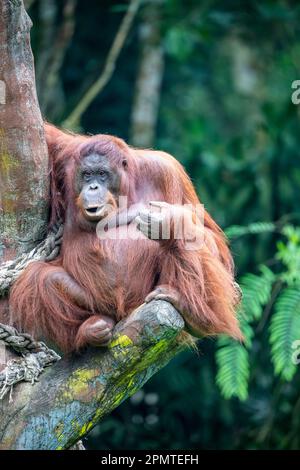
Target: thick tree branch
{"type": "Point", "coordinates": [73, 395]}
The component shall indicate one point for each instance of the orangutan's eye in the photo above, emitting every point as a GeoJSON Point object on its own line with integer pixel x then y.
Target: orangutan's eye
{"type": "Point", "coordinates": [87, 175]}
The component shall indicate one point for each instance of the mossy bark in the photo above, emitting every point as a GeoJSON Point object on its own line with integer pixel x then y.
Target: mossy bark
{"type": "Point", "coordinates": [77, 392]}
{"type": "Point", "coordinates": [23, 151]}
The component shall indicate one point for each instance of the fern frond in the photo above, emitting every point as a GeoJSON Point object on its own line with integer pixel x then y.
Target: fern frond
{"type": "Point", "coordinates": [257, 291]}
{"type": "Point", "coordinates": [233, 357]}
{"type": "Point", "coordinates": [284, 330]}
{"type": "Point", "coordinates": [236, 231]}
{"type": "Point", "coordinates": [233, 369]}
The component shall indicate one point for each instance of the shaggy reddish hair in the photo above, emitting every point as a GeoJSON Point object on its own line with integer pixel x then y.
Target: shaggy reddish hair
{"type": "Point", "coordinates": [117, 275]}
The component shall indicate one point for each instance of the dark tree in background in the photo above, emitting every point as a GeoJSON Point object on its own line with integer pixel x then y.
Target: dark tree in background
{"type": "Point", "coordinates": [54, 39]}
{"type": "Point", "coordinates": [149, 77]}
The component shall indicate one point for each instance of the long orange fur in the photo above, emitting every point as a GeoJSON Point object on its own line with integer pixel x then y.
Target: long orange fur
{"type": "Point", "coordinates": [117, 275]}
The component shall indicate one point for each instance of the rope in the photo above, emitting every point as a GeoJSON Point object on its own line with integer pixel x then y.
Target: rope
{"type": "Point", "coordinates": [26, 368]}
{"type": "Point", "coordinates": [35, 355]}
{"type": "Point", "coordinates": [78, 446]}
{"type": "Point", "coordinates": [20, 342]}
{"type": "Point", "coordinates": [47, 250]}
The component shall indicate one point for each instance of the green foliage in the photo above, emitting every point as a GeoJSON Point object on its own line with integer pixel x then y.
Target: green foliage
{"type": "Point", "coordinates": [256, 292]}
{"type": "Point", "coordinates": [233, 369]}
{"type": "Point", "coordinates": [255, 228]}
{"type": "Point", "coordinates": [285, 323]}
{"type": "Point", "coordinates": [289, 254]}
{"type": "Point", "coordinates": [233, 358]}
{"type": "Point", "coordinates": [179, 42]}
{"type": "Point", "coordinates": [284, 331]}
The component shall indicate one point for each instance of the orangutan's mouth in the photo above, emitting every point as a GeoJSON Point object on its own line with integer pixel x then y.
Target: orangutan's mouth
{"type": "Point", "coordinates": [95, 212]}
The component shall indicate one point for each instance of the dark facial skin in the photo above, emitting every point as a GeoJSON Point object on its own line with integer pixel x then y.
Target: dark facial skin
{"type": "Point", "coordinates": [96, 184]}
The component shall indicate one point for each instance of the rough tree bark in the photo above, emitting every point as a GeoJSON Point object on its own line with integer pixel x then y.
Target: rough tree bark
{"type": "Point", "coordinates": [72, 396]}
{"type": "Point", "coordinates": [23, 152]}
{"type": "Point", "coordinates": [149, 78]}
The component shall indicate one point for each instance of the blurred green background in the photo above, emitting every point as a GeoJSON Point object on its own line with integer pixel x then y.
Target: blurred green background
{"type": "Point", "coordinates": [211, 83]}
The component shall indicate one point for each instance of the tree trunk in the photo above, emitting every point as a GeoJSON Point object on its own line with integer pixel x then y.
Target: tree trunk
{"type": "Point", "coordinates": [23, 151]}
{"type": "Point", "coordinates": [149, 78]}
